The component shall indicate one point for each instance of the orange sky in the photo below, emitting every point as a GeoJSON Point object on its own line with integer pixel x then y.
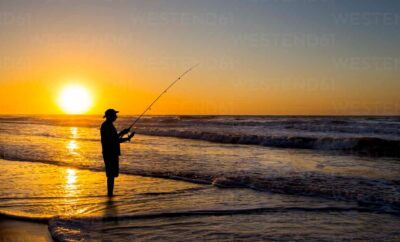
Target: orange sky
{"type": "Point", "coordinates": [249, 64]}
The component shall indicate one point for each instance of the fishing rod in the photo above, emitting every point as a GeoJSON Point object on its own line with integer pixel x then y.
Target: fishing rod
{"type": "Point", "coordinates": [162, 93]}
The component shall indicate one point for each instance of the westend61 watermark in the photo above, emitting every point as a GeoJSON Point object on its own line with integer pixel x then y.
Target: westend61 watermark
{"type": "Point", "coordinates": [87, 1]}
{"type": "Point", "coordinates": [207, 18]}
{"type": "Point", "coordinates": [210, 62]}
{"type": "Point", "coordinates": [288, 1]}
{"type": "Point", "coordinates": [17, 19]}
{"type": "Point", "coordinates": [368, 63]}
{"type": "Point", "coordinates": [285, 40]}
{"type": "Point", "coordinates": [311, 84]}
{"type": "Point", "coordinates": [367, 18]}
{"type": "Point", "coordinates": [15, 62]}
{"type": "Point", "coordinates": [362, 108]}
{"type": "Point", "coordinates": [84, 39]}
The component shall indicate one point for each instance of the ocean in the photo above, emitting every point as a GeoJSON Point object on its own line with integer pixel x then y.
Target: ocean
{"type": "Point", "coordinates": [195, 178]}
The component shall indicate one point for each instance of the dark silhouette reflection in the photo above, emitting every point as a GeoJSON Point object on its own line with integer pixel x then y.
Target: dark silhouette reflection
{"type": "Point", "coordinates": [110, 142]}
{"type": "Point", "coordinates": [110, 210]}
{"type": "Point", "coordinates": [110, 216]}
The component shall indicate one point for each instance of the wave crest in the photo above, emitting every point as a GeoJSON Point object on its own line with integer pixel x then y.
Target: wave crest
{"type": "Point", "coordinates": [370, 146]}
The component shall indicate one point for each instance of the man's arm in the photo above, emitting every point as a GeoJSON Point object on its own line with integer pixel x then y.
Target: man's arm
{"type": "Point", "coordinates": [122, 140]}
{"type": "Point", "coordinates": [123, 132]}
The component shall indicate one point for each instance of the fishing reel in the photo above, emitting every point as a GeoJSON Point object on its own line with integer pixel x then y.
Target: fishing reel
{"type": "Point", "coordinates": [131, 134]}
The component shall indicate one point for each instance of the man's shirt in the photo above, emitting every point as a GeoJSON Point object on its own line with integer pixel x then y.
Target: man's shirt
{"type": "Point", "coordinates": [109, 139]}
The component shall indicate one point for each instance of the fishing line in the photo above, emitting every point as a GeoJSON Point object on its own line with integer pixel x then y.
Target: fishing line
{"type": "Point", "coordinates": [162, 93]}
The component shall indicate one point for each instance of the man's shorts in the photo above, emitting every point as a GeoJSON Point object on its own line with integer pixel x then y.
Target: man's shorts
{"type": "Point", "coordinates": [112, 165]}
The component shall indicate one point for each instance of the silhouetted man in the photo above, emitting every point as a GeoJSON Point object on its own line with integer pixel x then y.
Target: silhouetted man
{"type": "Point", "coordinates": [110, 142]}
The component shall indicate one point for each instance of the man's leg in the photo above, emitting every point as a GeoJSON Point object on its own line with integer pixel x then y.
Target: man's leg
{"type": "Point", "coordinates": [110, 186]}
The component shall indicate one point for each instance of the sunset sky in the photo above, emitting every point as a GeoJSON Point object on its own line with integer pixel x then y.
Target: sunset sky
{"type": "Point", "coordinates": [308, 57]}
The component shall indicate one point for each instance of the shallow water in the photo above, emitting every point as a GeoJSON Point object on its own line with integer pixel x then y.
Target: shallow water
{"type": "Point", "coordinates": [73, 202]}
{"type": "Point", "coordinates": [187, 189]}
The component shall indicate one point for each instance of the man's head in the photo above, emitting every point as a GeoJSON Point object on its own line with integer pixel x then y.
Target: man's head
{"type": "Point", "coordinates": [110, 115]}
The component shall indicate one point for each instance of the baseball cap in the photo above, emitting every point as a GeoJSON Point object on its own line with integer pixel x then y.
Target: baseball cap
{"type": "Point", "coordinates": [109, 112]}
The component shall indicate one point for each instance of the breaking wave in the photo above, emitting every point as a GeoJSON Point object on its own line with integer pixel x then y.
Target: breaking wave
{"type": "Point", "coordinates": [360, 145]}
{"type": "Point", "coordinates": [371, 136]}
{"type": "Point", "coordinates": [379, 194]}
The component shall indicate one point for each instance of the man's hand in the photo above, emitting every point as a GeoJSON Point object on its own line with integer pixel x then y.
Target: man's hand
{"type": "Point", "coordinates": [131, 135]}
{"type": "Point", "coordinates": [122, 140]}
{"type": "Point", "coordinates": [123, 132]}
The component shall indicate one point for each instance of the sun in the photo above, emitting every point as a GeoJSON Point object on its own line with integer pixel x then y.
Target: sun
{"type": "Point", "coordinates": [75, 99]}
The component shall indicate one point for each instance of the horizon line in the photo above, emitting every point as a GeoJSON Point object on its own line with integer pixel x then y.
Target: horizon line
{"type": "Point", "coordinates": [276, 115]}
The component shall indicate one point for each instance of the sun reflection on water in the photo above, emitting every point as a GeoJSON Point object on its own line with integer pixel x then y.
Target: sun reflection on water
{"type": "Point", "coordinates": [74, 132]}
{"type": "Point", "coordinates": [72, 145]}
{"type": "Point", "coordinates": [71, 176]}
{"type": "Point", "coordinates": [70, 182]}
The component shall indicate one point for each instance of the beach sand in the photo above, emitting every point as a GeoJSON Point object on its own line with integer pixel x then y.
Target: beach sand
{"type": "Point", "coordinates": [14, 230]}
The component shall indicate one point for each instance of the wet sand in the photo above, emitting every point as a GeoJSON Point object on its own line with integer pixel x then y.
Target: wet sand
{"type": "Point", "coordinates": [14, 230]}
{"type": "Point", "coordinates": [71, 205]}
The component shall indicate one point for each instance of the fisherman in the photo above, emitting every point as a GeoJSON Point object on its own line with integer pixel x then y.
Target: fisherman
{"type": "Point", "coordinates": [110, 142]}
{"type": "Point", "coordinates": [110, 139]}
